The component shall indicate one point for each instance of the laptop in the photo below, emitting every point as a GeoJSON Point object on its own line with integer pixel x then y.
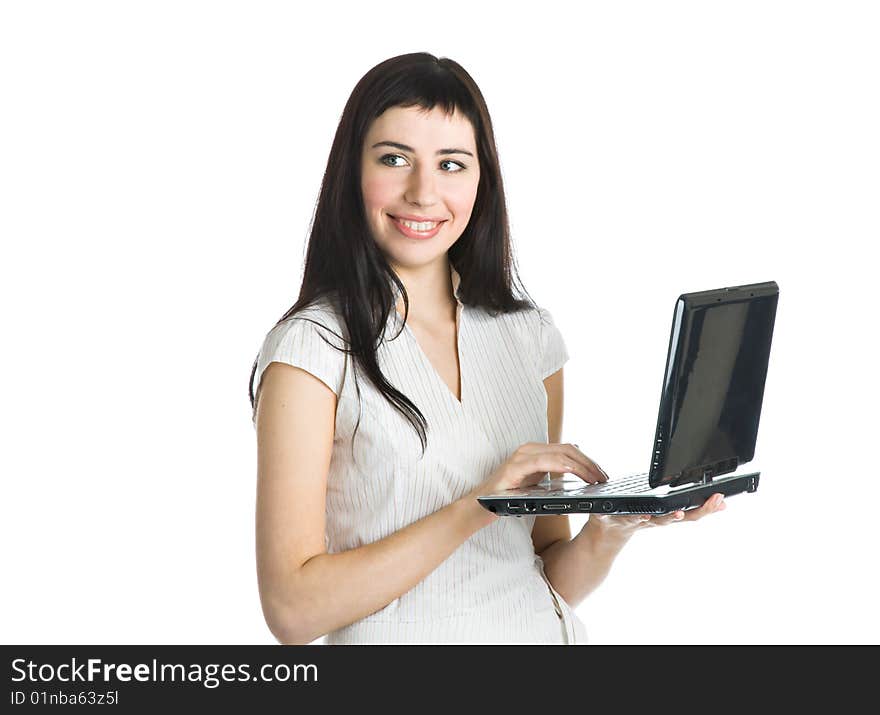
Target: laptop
{"type": "Point", "coordinates": [707, 424]}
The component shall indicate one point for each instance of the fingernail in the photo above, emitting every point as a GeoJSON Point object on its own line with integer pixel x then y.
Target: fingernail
{"type": "Point", "coordinates": [679, 515]}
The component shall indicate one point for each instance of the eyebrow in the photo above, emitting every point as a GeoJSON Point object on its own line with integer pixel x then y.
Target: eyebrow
{"type": "Point", "coordinates": [404, 147]}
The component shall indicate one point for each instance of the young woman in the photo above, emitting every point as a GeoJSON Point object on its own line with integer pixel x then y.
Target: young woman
{"type": "Point", "coordinates": [407, 380]}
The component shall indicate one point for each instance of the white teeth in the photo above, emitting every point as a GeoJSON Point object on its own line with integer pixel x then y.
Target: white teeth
{"type": "Point", "coordinates": [426, 226]}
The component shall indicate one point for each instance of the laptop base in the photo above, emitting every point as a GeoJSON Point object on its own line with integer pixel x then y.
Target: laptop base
{"type": "Point", "coordinates": [644, 503]}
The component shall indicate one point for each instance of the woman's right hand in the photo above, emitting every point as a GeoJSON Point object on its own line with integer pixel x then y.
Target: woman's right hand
{"type": "Point", "coordinates": [531, 462]}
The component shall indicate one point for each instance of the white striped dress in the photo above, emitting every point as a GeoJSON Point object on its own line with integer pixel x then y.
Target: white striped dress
{"type": "Point", "coordinates": [492, 588]}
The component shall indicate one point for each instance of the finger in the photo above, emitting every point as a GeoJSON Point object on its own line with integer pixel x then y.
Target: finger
{"type": "Point", "coordinates": [531, 480]}
{"type": "Point", "coordinates": [628, 521]}
{"type": "Point", "coordinates": [710, 506]}
{"type": "Point", "coordinates": [671, 518]}
{"type": "Point", "coordinates": [647, 521]}
{"type": "Point", "coordinates": [597, 474]}
{"type": "Point", "coordinates": [555, 462]}
{"type": "Point", "coordinates": [569, 464]}
{"type": "Point", "coordinates": [578, 463]}
{"type": "Point", "coordinates": [590, 462]}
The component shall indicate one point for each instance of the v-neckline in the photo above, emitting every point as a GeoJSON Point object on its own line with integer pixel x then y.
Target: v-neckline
{"type": "Point", "coordinates": [458, 323]}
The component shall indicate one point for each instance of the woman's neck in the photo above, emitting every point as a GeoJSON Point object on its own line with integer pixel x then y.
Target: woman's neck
{"type": "Point", "coordinates": [429, 289]}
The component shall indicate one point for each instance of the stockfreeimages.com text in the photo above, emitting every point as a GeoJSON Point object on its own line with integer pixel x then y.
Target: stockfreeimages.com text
{"type": "Point", "coordinates": [211, 675]}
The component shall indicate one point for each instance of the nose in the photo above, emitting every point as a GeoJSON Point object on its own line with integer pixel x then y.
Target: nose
{"type": "Point", "coordinates": [421, 189]}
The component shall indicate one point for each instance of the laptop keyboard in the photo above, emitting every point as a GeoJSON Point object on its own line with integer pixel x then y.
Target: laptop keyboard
{"type": "Point", "coordinates": [635, 483]}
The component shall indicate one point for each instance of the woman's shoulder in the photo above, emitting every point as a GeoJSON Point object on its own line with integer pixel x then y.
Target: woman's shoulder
{"type": "Point", "coordinates": [321, 316]}
{"type": "Point", "coordinates": [526, 319]}
{"type": "Point", "coordinates": [534, 329]}
{"type": "Point", "coordinates": [310, 339]}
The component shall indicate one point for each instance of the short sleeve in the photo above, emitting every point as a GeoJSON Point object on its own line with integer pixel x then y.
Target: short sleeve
{"type": "Point", "coordinates": [299, 342]}
{"type": "Point", "coordinates": [553, 353]}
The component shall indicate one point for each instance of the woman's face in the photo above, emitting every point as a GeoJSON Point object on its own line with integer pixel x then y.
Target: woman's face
{"type": "Point", "coordinates": [421, 165]}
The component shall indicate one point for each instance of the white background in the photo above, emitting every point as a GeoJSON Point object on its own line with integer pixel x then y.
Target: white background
{"type": "Point", "coordinates": [159, 164]}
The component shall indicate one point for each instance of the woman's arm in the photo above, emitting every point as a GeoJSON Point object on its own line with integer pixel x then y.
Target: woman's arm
{"type": "Point", "coordinates": [306, 592]}
{"type": "Point", "coordinates": [550, 529]}
{"type": "Point", "coordinates": [577, 566]}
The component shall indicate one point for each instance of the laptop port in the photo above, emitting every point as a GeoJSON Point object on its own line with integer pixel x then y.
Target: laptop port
{"type": "Point", "coordinates": [531, 506]}
{"type": "Point", "coordinates": [585, 505]}
{"type": "Point", "coordinates": [515, 506]}
{"type": "Point", "coordinates": [555, 507]}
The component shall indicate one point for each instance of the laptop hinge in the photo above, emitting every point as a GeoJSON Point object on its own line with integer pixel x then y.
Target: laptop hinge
{"type": "Point", "coordinates": [704, 474]}
{"type": "Point", "coordinates": [681, 480]}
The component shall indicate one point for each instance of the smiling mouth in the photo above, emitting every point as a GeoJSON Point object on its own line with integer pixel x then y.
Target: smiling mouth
{"type": "Point", "coordinates": [416, 230]}
{"type": "Point", "coordinates": [420, 226]}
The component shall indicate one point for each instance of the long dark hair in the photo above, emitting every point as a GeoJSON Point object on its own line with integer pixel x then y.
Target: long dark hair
{"type": "Point", "coordinates": [343, 261]}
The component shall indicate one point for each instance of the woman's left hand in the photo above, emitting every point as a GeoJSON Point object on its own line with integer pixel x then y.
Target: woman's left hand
{"type": "Point", "coordinates": [626, 525]}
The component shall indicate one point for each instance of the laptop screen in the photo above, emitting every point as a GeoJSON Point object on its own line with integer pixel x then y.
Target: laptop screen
{"type": "Point", "coordinates": [713, 388]}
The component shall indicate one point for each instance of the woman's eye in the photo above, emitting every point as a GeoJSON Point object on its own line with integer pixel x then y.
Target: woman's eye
{"type": "Point", "coordinates": [461, 167]}
{"type": "Point", "coordinates": [391, 157]}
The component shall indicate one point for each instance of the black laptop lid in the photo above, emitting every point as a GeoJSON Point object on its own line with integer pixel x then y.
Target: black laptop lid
{"type": "Point", "coordinates": [713, 387]}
